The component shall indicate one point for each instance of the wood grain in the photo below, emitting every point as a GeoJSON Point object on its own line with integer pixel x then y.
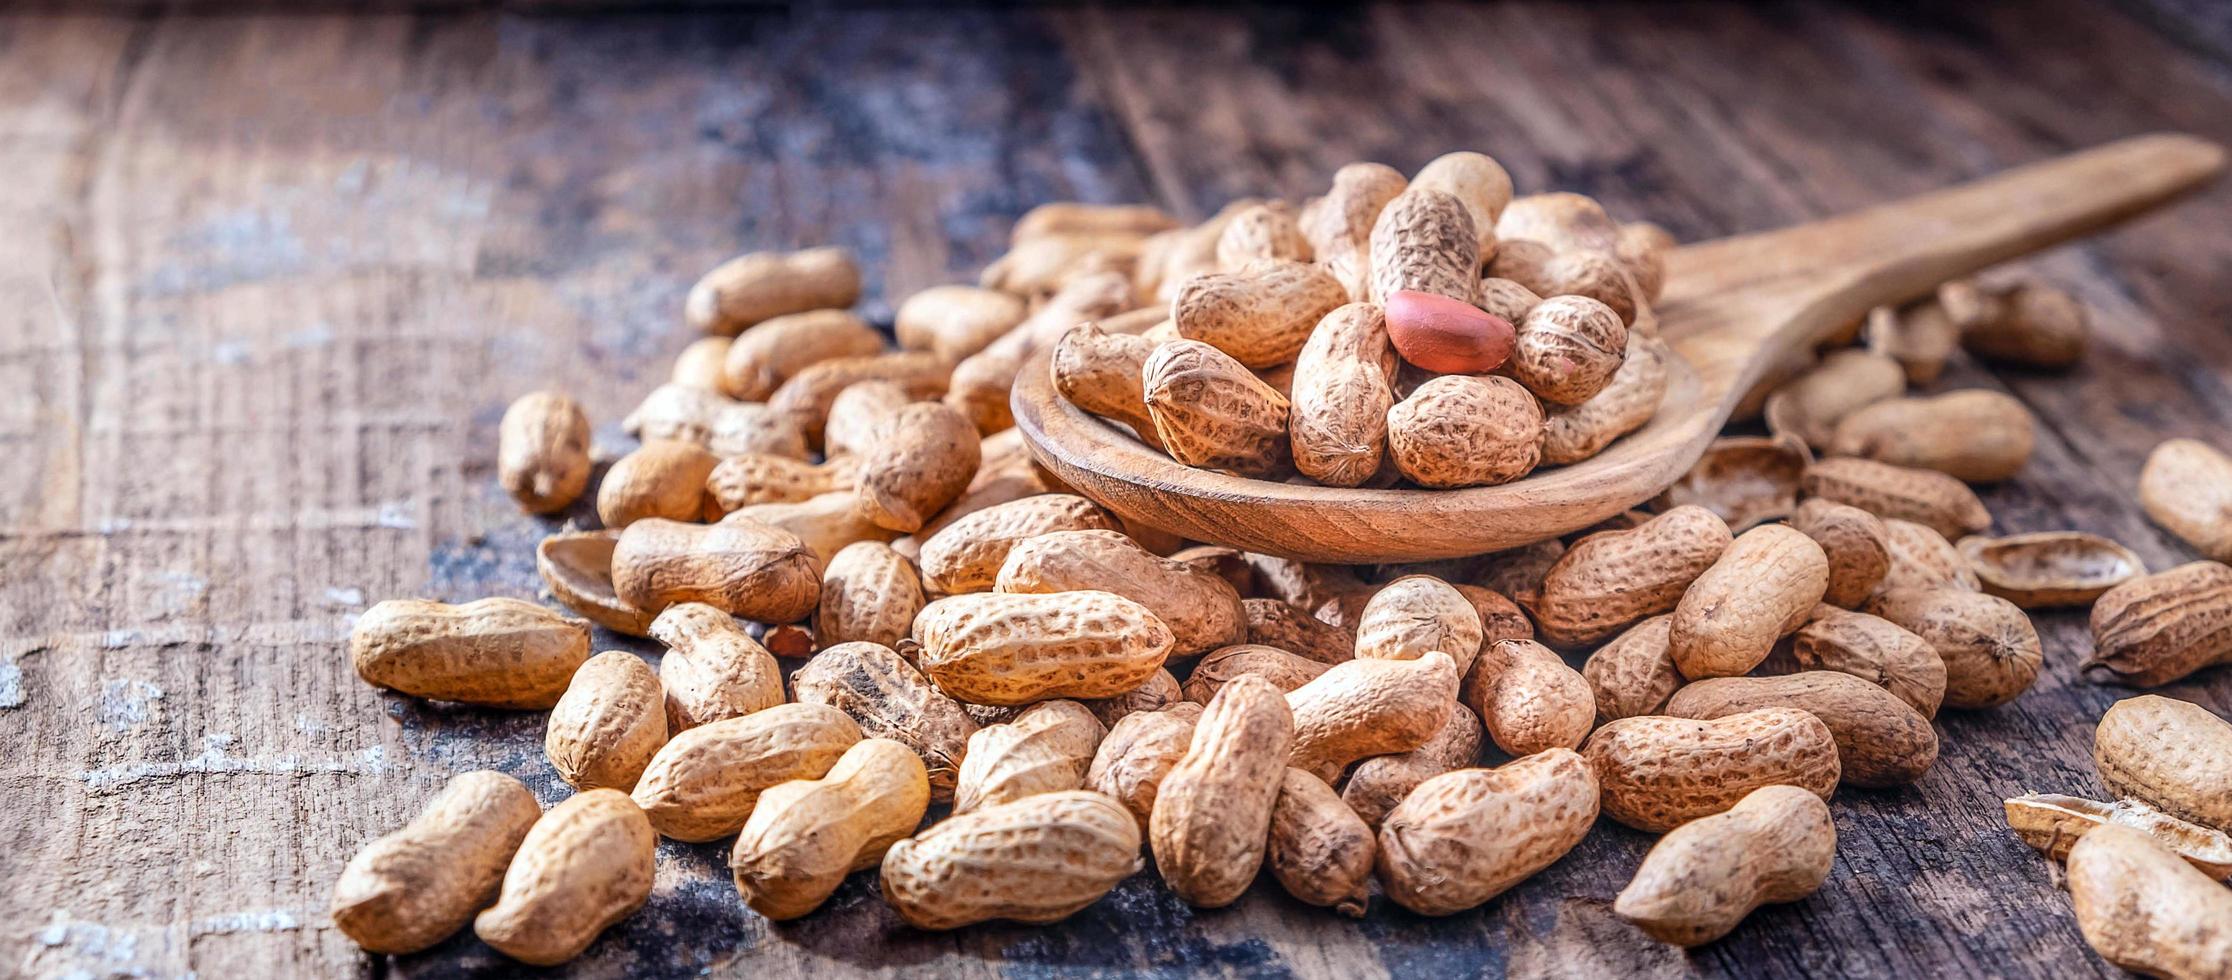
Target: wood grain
{"type": "Point", "coordinates": [269, 281]}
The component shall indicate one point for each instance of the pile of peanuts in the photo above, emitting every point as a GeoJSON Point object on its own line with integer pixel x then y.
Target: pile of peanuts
{"type": "Point", "coordinates": [1001, 697]}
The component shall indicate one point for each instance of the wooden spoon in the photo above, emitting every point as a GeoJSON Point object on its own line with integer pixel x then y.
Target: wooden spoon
{"type": "Point", "coordinates": [1733, 308]}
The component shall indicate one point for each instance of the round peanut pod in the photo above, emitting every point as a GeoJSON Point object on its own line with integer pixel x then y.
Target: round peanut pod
{"type": "Point", "coordinates": [1006, 649]}
{"type": "Point", "coordinates": [922, 457]}
{"type": "Point", "coordinates": [2143, 909]}
{"type": "Point", "coordinates": [1212, 814]}
{"type": "Point", "coordinates": [982, 383]}
{"type": "Point", "coordinates": [1381, 782]}
{"type": "Point", "coordinates": [805, 400]}
{"type": "Point", "coordinates": [503, 653]}
{"type": "Point", "coordinates": [665, 479]}
{"type": "Point", "coordinates": [2164, 627]}
{"type": "Point", "coordinates": [1926, 497]}
{"type": "Point", "coordinates": [1286, 671]}
{"type": "Point", "coordinates": [1464, 837]}
{"type": "Point", "coordinates": [1701, 879]}
{"type": "Point", "coordinates": [610, 722]}
{"type": "Point", "coordinates": [1343, 387]}
{"type": "Point", "coordinates": [1319, 850]}
{"type": "Point", "coordinates": [1920, 336]}
{"type": "Point", "coordinates": [2186, 486]}
{"type": "Point", "coordinates": [1500, 618]}
{"type": "Point", "coordinates": [586, 865]}
{"type": "Point", "coordinates": [542, 452]}
{"type": "Point", "coordinates": [1875, 650]}
{"type": "Point", "coordinates": [1567, 349]}
{"type": "Point", "coordinates": [1659, 773]}
{"type": "Point", "coordinates": [1212, 412]}
{"type": "Point", "coordinates": [724, 426]}
{"type": "Point", "coordinates": [954, 322]}
{"type": "Point", "coordinates": [1978, 436]}
{"type": "Point", "coordinates": [1506, 300]}
{"type": "Point", "coordinates": [1643, 247]}
{"type": "Point", "coordinates": [1881, 740]}
{"type": "Point", "coordinates": [1037, 860]}
{"type": "Point", "coordinates": [1464, 431]}
{"type": "Point", "coordinates": [703, 784]}
{"type": "Point", "coordinates": [966, 555]}
{"type": "Point", "coordinates": [1044, 265]}
{"type": "Point", "coordinates": [2174, 754]}
{"type": "Point", "coordinates": [825, 523]}
{"type": "Point", "coordinates": [770, 353]}
{"type": "Point", "coordinates": [1529, 699]}
{"type": "Point", "coordinates": [699, 364]}
{"type": "Point", "coordinates": [856, 414]}
{"type": "Point", "coordinates": [1857, 544]}
{"type": "Point", "coordinates": [870, 593]}
{"type": "Point", "coordinates": [891, 699]}
{"type": "Point", "coordinates": [1575, 433]}
{"type": "Point", "coordinates": [1597, 275]}
{"type": "Point", "coordinates": [1634, 674]}
{"type": "Point", "coordinates": [1424, 241]}
{"type": "Point", "coordinates": [806, 835]}
{"type": "Point", "coordinates": [1990, 649]}
{"type": "Point", "coordinates": [1046, 749]}
{"type": "Point", "coordinates": [1201, 610]}
{"type": "Point", "coordinates": [2037, 325]}
{"type": "Point", "coordinates": [1760, 590]}
{"type": "Point", "coordinates": [1264, 232]}
{"type": "Point", "coordinates": [740, 566]}
{"type": "Point", "coordinates": [712, 668]}
{"type": "Point", "coordinates": [1810, 405]}
{"type": "Point", "coordinates": [1160, 691]}
{"type": "Point", "coordinates": [1339, 229]}
{"type": "Point", "coordinates": [417, 886]}
{"type": "Point", "coordinates": [1922, 559]}
{"type": "Point", "coordinates": [743, 481]}
{"type": "Point", "coordinates": [1140, 750]}
{"type": "Point", "coordinates": [1608, 581]}
{"type": "Point", "coordinates": [1478, 182]}
{"type": "Point", "coordinates": [1562, 220]}
{"type": "Point", "coordinates": [1100, 372]}
{"type": "Point", "coordinates": [1416, 615]}
{"type": "Point", "coordinates": [762, 285]}
{"type": "Point", "coordinates": [1369, 707]}
{"type": "Point", "coordinates": [1520, 262]}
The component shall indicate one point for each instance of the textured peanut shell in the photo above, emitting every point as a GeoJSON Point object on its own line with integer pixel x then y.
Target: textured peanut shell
{"type": "Point", "coordinates": [1661, 772]}
{"type": "Point", "coordinates": [1529, 699]}
{"type": "Point", "coordinates": [1201, 609]}
{"type": "Point", "coordinates": [587, 864]}
{"type": "Point", "coordinates": [1193, 251]}
{"type": "Point", "coordinates": [2049, 568]}
{"type": "Point", "coordinates": [703, 784]}
{"type": "Point", "coordinates": [1920, 336]}
{"type": "Point", "coordinates": [982, 382]}
{"type": "Point", "coordinates": [1597, 275]}
{"type": "Point", "coordinates": [1464, 837]}
{"type": "Point", "coordinates": [1761, 590]}
{"type": "Point", "coordinates": [1500, 618]}
{"type": "Point", "coordinates": [576, 566]}
{"type": "Point", "coordinates": [1100, 372]}
{"type": "Point", "coordinates": [1643, 247]}
{"type": "Point", "coordinates": [1608, 581]}
{"type": "Point", "coordinates": [870, 593]}
{"type": "Point", "coordinates": [954, 322]}
{"type": "Point", "coordinates": [417, 886]}
{"type": "Point", "coordinates": [966, 555]}
{"type": "Point", "coordinates": [1416, 615]}
{"type": "Point", "coordinates": [1339, 229]}
{"type": "Point", "coordinates": [920, 460]}
{"type": "Point", "coordinates": [1857, 544]}
{"type": "Point", "coordinates": [1811, 405]}
{"type": "Point", "coordinates": [1990, 649]}
{"type": "Point", "coordinates": [855, 415]}
{"type": "Point", "coordinates": [1424, 241]}
{"type": "Point", "coordinates": [1264, 232]}
{"type": "Point", "coordinates": [1567, 349]}
{"type": "Point", "coordinates": [1701, 879]}
{"type": "Point", "coordinates": [724, 426]}
{"type": "Point", "coordinates": [1382, 781]}
{"type": "Point", "coordinates": [1319, 850]}
{"type": "Point", "coordinates": [1875, 650]}
{"type": "Point", "coordinates": [2054, 824]}
{"type": "Point", "coordinates": [1509, 300]}
{"type": "Point", "coordinates": [712, 668]}
{"type": "Point", "coordinates": [1634, 674]}
{"type": "Point", "coordinates": [1747, 480]}
{"type": "Point", "coordinates": [1979, 436]}
{"type": "Point", "coordinates": [1006, 649]}
{"type": "Point", "coordinates": [1562, 220]}
{"type": "Point", "coordinates": [740, 566]}
{"type": "Point", "coordinates": [1926, 497]}
{"type": "Point", "coordinates": [1212, 813]}
{"type": "Point", "coordinates": [805, 836]}
{"type": "Point", "coordinates": [503, 653]}
{"type": "Point", "coordinates": [2032, 324]}
{"type": "Point", "coordinates": [1007, 473]}
{"type": "Point", "coordinates": [1140, 750]}
{"type": "Point", "coordinates": [1465, 431]}
{"type": "Point", "coordinates": [890, 699]}
{"type": "Point", "coordinates": [2164, 627]}
{"type": "Point", "coordinates": [1572, 434]}
{"type": "Point", "coordinates": [1520, 261]}
{"type": "Point", "coordinates": [1210, 411]}
{"type": "Point", "coordinates": [770, 353]}
{"type": "Point", "coordinates": [2186, 486]}
{"type": "Point", "coordinates": [1046, 749]}
{"type": "Point", "coordinates": [1519, 572]}
{"type": "Point", "coordinates": [663, 478]}
{"type": "Point", "coordinates": [1923, 559]}
{"type": "Point", "coordinates": [805, 398]}
{"type": "Point", "coordinates": [826, 523]}
{"type": "Point", "coordinates": [1043, 265]}
{"type": "Point", "coordinates": [542, 451]}
{"type": "Point", "coordinates": [761, 285]}
{"type": "Point", "coordinates": [1364, 708]}
{"type": "Point", "coordinates": [1037, 860]}
{"type": "Point", "coordinates": [1161, 690]}
{"type": "Point", "coordinates": [610, 722]}
{"type": "Point", "coordinates": [1881, 740]}
{"type": "Point", "coordinates": [1286, 671]}
{"type": "Point", "coordinates": [2173, 754]}
{"type": "Point", "coordinates": [742, 481]}
{"type": "Point", "coordinates": [1478, 182]}
{"type": "Point", "coordinates": [1292, 629]}
{"type": "Point", "coordinates": [1343, 387]}
{"type": "Point", "coordinates": [2145, 910]}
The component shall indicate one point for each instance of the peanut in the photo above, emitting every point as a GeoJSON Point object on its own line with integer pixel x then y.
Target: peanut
{"type": "Point", "coordinates": [504, 653]}
{"type": "Point", "coordinates": [576, 567]}
{"type": "Point", "coordinates": [1606, 582]}
{"type": "Point", "coordinates": [610, 722]}
{"type": "Point", "coordinates": [2145, 910]}
{"type": "Point", "coordinates": [1319, 850]}
{"type": "Point", "coordinates": [1926, 497]}
{"type": "Point", "coordinates": [1644, 247]}
{"type": "Point", "coordinates": [1529, 699]}
{"type": "Point", "coordinates": [1575, 433]}
{"type": "Point", "coordinates": [954, 322]}
{"type": "Point", "coordinates": [1265, 232]}
{"type": "Point", "coordinates": [742, 481]}
{"type": "Point", "coordinates": [724, 426]}
{"type": "Point", "coordinates": [1343, 386]}
{"type": "Point", "coordinates": [1659, 773]}
{"type": "Point", "coordinates": [703, 784]}
{"type": "Point", "coordinates": [1562, 220]}
{"type": "Point", "coordinates": [1811, 405]}
{"type": "Point", "coordinates": [1922, 559]}
{"type": "Point", "coordinates": [542, 452]}
{"type": "Point", "coordinates": [1463, 430]}
{"type": "Point", "coordinates": [825, 523]}
{"type": "Point", "coordinates": [1005, 649]}
{"type": "Point", "coordinates": [664, 478]}
{"type": "Point", "coordinates": [2054, 824]}
{"type": "Point", "coordinates": [1881, 740]}
{"type": "Point", "coordinates": [869, 593]}
{"type": "Point", "coordinates": [1761, 590]}
{"type": "Point", "coordinates": [1520, 262]}
{"type": "Point", "coordinates": [1193, 251]}
{"type": "Point", "coordinates": [1596, 275]}
{"type": "Point", "coordinates": [1464, 837]}
{"type": "Point", "coordinates": [1210, 411]}
{"type": "Point", "coordinates": [2162, 628]}
{"type": "Point", "coordinates": [1858, 546]}
{"type": "Point", "coordinates": [1424, 241]}
{"type": "Point", "coordinates": [1416, 615]}
{"type": "Point", "coordinates": [1500, 618]}
{"type": "Point", "coordinates": [762, 285]}
{"type": "Point", "coordinates": [920, 460]}
{"type": "Point", "coordinates": [855, 415]}
{"type": "Point", "coordinates": [1978, 436]}
{"type": "Point", "coordinates": [1212, 813]}
{"type": "Point", "coordinates": [1160, 691]}
{"type": "Point", "coordinates": [2031, 324]}
{"type": "Point", "coordinates": [2050, 568]}
{"type": "Point", "coordinates": [889, 698]}
{"type": "Point", "coordinates": [1043, 265]}
{"type": "Point", "coordinates": [805, 399]}
{"type": "Point", "coordinates": [1506, 300]}
{"type": "Point", "coordinates": [740, 566]}
{"type": "Point", "coordinates": [418, 885]}
{"type": "Point", "coordinates": [2186, 486]}
{"type": "Point", "coordinates": [2173, 754]}
{"type": "Point", "coordinates": [1634, 674]}
{"type": "Point", "coordinates": [1286, 671]}
{"type": "Point", "coordinates": [1138, 753]}
{"type": "Point", "coordinates": [1775, 845]}
{"type": "Point", "coordinates": [1919, 336]}
{"type": "Point", "coordinates": [1099, 372]}
{"type": "Point", "coordinates": [1875, 650]}
{"type": "Point", "coordinates": [1478, 182]}
{"type": "Point", "coordinates": [1340, 228]}
{"type": "Point", "coordinates": [712, 668]}
{"type": "Point", "coordinates": [587, 864]}
{"type": "Point", "coordinates": [966, 555]}
{"type": "Point", "coordinates": [1046, 749]}
{"type": "Point", "coordinates": [1567, 348]}
{"type": "Point", "coordinates": [1037, 860]}
{"type": "Point", "coordinates": [1519, 572]}
{"type": "Point", "coordinates": [1364, 708]}
{"type": "Point", "coordinates": [770, 353]}
{"type": "Point", "coordinates": [983, 381]}
{"type": "Point", "coordinates": [1990, 649]}
{"type": "Point", "coordinates": [1201, 610]}
{"type": "Point", "coordinates": [699, 364]}
{"type": "Point", "coordinates": [1382, 781]}
{"type": "Point", "coordinates": [1447, 336]}
{"type": "Point", "coordinates": [1229, 564]}
{"type": "Point", "coordinates": [1078, 218]}
{"type": "Point", "coordinates": [806, 835]}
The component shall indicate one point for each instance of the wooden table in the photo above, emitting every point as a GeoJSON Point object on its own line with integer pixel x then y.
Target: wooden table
{"type": "Point", "coordinates": [266, 283]}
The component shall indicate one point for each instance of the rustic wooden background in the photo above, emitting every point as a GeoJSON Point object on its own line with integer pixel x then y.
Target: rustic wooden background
{"type": "Point", "coordinates": [266, 283]}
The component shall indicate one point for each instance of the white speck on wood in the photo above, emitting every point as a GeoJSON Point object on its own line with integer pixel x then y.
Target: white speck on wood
{"type": "Point", "coordinates": [214, 760]}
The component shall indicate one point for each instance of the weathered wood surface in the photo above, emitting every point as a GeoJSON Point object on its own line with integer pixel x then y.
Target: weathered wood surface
{"type": "Point", "coordinates": [267, 282]}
